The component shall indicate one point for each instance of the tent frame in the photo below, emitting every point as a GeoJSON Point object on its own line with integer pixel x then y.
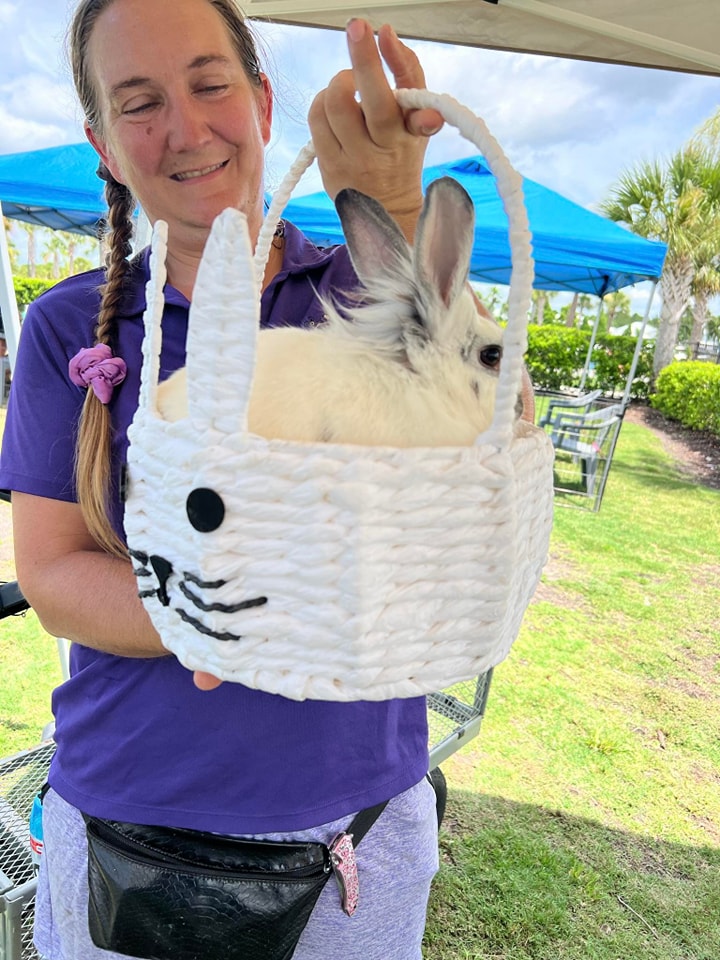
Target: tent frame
{"type": "Point", "coordinates": [575, 28]}
{"type": "Point", "coordinates": [8, 301]}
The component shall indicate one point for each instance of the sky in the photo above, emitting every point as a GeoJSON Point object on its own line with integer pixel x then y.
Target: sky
{"type": "Point", "coordinates": [573, 126]}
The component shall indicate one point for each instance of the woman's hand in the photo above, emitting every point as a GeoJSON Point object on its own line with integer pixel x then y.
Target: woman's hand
{"type": "Point", "coordinates": [372, 145]}
{"type": "Point", "coordinates": [205, 681]}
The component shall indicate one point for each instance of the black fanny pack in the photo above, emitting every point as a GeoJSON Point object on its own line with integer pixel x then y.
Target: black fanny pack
{"type": "Point", "coordinates": [168, 894]}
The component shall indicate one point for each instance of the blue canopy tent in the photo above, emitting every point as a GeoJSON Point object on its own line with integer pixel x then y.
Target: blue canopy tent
{"type": "Point", "coordinates": [574, 249]}
{"type": "Point", "coordinates": [56, 188]}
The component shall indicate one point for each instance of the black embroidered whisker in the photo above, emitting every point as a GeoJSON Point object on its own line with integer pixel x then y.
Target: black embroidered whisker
{"type": "Point", "coordinates": [205, 584]}
{"type": "Point", "coordinates": [222, 607]}
{"type": "Point", "coordinates": [201, 628]}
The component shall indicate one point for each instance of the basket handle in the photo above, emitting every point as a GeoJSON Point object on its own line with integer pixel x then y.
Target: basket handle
{"type": "Point", "coordinates": [509, 183]}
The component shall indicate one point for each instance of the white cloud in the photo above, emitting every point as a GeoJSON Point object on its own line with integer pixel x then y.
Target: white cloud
{"type": "Point", "coordinates": [38, 97]}
{"type": "Point", "coordinates": [18, 135]}
{"type": "Point", "coordinates": [7, 13]}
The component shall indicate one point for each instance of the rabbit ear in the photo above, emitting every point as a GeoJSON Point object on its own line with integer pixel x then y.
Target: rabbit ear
{"type": "Point", "coordinates": [444, 241]}
{"type": "Point", "coordinates": [375, 242]}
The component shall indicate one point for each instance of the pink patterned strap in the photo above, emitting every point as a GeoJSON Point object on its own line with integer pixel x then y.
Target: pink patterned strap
{"type": "Point", "coordinates": [344, 864]}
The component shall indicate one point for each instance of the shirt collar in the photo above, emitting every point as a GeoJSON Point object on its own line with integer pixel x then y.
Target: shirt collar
{"type": "Point", "coordinates": [299, 255]}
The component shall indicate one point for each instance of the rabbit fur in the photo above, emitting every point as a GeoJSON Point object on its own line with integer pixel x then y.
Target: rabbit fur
{"type": "Point", "coordinates": [410, 363]}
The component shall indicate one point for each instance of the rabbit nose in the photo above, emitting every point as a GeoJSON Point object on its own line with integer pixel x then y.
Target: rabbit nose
{"type": "Point", "coordinates": [163, 569]}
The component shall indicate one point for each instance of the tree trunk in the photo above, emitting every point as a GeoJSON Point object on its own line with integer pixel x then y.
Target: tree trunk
{"type": "Point", "coordinates": [540, 309]}
{"type": "Point", "coordinates": [700, 316]}
{"type": "Point", "coordinates": [675, 286]}
{"type": "Point", "coordinates": [572, 310]}
{"type": "Point", "coordinates": [31, 252]}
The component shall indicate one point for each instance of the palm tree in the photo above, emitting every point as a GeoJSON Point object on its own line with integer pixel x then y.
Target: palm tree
{"type": "Point", "coordinates": [11, 248]}
{"type": "Point", "coordinates": [572, 310]}
{"type": "Point", "coordinates": [616, 305]}
{"type": "Point", "coordinates": [55, 250]}
{"type": "Point", "coordinates": [678, 203]}
{"type": "Point", "coordinates": [705, 285]}
{"type": "Point", "coordinates": [708, 137]}
{"type": "Point", "coordinates": [31, 231]}
{"type": "Point", "coordinates": [540, 298]}
{"type": "Point", "coordinates": [496, 302]}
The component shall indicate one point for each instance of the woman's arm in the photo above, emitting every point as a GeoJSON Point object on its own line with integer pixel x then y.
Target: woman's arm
{"type": "Point", "coordinates": [77, 590]}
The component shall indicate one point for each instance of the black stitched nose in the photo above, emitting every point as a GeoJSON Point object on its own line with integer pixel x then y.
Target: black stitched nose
{"type": "Point", "coordinates": [163, 569]}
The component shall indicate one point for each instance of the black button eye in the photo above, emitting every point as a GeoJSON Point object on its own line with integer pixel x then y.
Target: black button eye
{"type": "Point", "coordinates": [205, 509]}
{"type": "Point", "coordinates": [491, 356]}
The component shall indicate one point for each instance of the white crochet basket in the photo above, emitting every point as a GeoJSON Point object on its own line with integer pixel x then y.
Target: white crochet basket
{"type": "Point", "coordinates": [338, 572]}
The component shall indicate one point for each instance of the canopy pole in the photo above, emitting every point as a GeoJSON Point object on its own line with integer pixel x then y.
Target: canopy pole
{"type": "Point", "coordinates": [8, 301]}
{"type": "Point", "coordinates": [638, 347]}
{"type": "Point", "coordinates": [596, 327]}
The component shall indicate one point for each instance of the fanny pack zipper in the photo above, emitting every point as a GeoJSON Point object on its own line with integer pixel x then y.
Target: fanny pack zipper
{"type": "Point", "coordinates": [147, 854]}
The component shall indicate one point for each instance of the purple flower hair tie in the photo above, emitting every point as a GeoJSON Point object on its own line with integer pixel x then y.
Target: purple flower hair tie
{"type": "Point", "coordinates": [96, 367]}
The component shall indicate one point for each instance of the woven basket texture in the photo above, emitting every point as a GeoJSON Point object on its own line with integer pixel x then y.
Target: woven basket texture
{"type": "Point", "coordinates": [386, 572]}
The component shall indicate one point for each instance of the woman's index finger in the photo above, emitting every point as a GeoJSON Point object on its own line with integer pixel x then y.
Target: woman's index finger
{"type": "Point", "coordinates": [376, 95]}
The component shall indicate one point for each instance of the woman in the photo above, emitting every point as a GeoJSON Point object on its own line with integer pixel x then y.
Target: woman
{"type": "Point", "coordinates": [179, 112]}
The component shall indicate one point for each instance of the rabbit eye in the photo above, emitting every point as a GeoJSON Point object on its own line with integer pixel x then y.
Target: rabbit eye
{"type": "Point", "coordinates": [490, 356]}
{"type": "Point", "coordinates": [205, 509]}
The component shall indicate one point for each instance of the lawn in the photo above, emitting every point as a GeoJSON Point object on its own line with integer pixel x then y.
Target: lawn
{"type": "Point", "coordinates": [583, 823]}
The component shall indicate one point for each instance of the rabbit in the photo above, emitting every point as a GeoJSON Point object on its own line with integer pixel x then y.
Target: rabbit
{"type": "Point", "coordinates": [410, 363]}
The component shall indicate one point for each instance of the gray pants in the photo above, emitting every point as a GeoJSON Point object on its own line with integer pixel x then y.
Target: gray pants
{"type": "Point", "coordinates": [397, 860]}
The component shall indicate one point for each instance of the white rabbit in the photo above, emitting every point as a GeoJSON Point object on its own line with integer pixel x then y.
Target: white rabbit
{"type": "Point", "coordinates": [413, 363]}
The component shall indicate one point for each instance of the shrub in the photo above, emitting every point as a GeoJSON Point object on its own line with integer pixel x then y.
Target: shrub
{"type": "Point", "coordinates": [689, 391]}
{"type": "Point", "coordinates": [612, 358]}
{"type": "Point", "coordinates": [28, 289]}
{"type": "Point", "coordinates": [556, 356]}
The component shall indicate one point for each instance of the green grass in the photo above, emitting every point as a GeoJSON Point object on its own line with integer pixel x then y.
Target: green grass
{"type": "Point", "coordinates": [30, 669]}
{"type": "Point", "coordinates": [583, 822]}
{"type": "Point", "coordinates": [29, 661]}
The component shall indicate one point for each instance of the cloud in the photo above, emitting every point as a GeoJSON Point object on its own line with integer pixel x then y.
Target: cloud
{"type": "Point", "coordinates": [18, 135]}
{"type": "Point", "coordinates": [38, 97]}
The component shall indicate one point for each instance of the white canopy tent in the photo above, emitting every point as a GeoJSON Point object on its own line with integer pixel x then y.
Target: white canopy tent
{"type": "Point", "coordinates": [670, 34]}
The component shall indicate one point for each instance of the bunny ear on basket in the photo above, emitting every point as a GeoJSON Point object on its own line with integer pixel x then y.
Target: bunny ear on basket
{"type": "Point", "coordinates": [333, 574]}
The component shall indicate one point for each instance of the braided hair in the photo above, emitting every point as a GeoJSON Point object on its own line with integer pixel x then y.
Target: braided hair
{"type": "Point", "coordinates": [93, 460]}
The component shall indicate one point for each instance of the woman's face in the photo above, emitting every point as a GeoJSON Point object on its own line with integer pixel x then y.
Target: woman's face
{"type": "Point", "coordinates": [183, 126]}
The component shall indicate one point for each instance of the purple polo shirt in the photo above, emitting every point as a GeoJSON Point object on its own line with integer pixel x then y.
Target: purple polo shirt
{"type": "Point", "coordinates": [135, 739]}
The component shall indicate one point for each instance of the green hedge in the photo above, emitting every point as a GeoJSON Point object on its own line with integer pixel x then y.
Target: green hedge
{"type": "Point", "coordinates": [28, 289]}
{"type": "Point", "coordinates": [689, 391]}
{"type": "Point", "coordinates": [556, 357]}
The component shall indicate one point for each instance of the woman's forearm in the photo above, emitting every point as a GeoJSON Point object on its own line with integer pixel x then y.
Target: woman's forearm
{"type": "Point", "coordinates": [78, 591]}
{"type": "Point", "coordinates": [91, 598]}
